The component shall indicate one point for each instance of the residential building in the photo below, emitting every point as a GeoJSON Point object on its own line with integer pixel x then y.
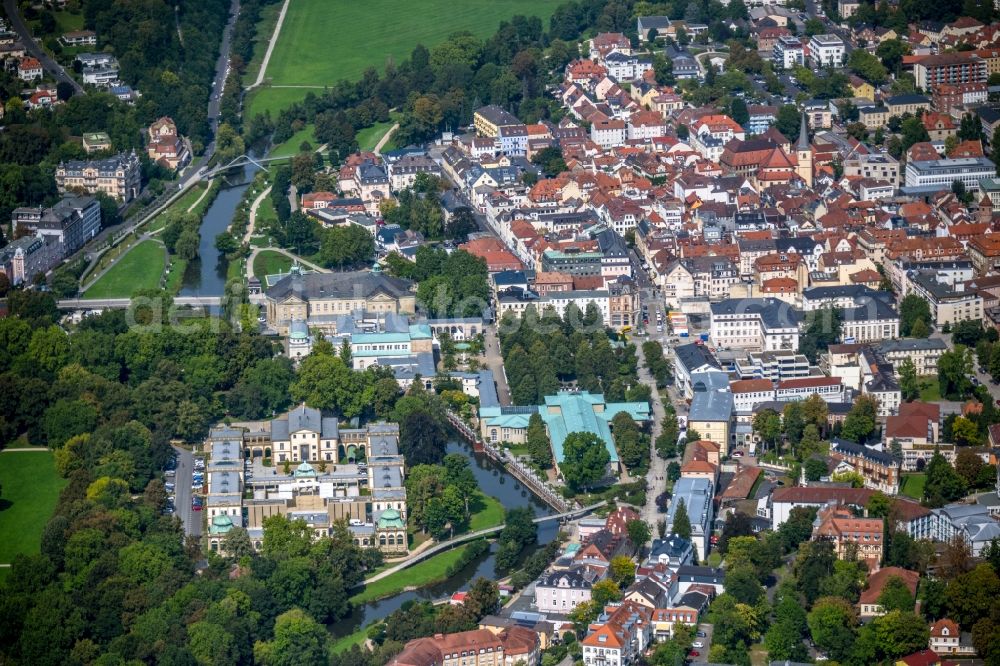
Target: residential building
{"type": "Point", "coordinates": [915, 431]}
{"type": "Point", "coordinates": [489, 119]}
{"type": "Point", "coordinates": [850, 534]}
{"type": "Point", "coordinates": [478, 647]}
{"type": "Point", "coordinates": [949, 68]}
{"type": "Point", "coordinates": [788, 52]}
{"type": "Point", "coordinates": [71, 222]}
{"type": "Point", "coordinates": [879, 469]}
{"type": "Point", "coordinates": [779, 504]}
{"type": "Point", "coordinates": [29, 69]}
{"type": "Point", "coordinates": [618, 637]}
{"type": "Point", "coordinates": [949, 304]}
{"type": "Point", "coordinates": [696, 493]}
{"type": "Point", "coordinates": [118, 176]}
{"type": "Point", "coordinates": [826, 50]}
{"type": "Point", "coordinates": [711, 412]}
{"type": "Point", "coordinates": [404, 171]}
{"type": "Point", "coordinates": [868, 605]}
{"type": "Point", "coordinates": [925, 353]}
{"type": "Point", "coordinates": [907, 103]}
{"type": "Point", "coordinates": [562, 591]}
{"type": "Point", "coordinates": [984, 252]}
{"type": "Point", "coordinates": [94, 142]}
{"type": "Point", "coordinates": [165, 146]}
{"type": "Point", "coordinates": [877, 166]}
{"type": "Point", "coordinates": [688, 360]}
{"type": "Point", "coordinates": [79, 38]}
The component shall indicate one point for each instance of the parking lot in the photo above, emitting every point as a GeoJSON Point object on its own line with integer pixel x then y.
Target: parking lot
{"type": "Point", "coordinates": [706, 643]}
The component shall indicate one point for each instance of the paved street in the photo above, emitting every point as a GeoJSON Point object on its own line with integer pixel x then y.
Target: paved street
{"type": "Point", "coordinates": [182, 500]}
{"type": "Point", "coordinates": [35, 49]}
{"type": "Point", "coordinates": [495, 363]}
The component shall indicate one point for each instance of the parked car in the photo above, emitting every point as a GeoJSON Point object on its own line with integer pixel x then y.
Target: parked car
{"type": "Point", "coordinates": [694, 653]}
{"type": "Point", "coordinates": [701, 634]}
{"type": "Point", "coordinates": [698, 644]}
{"type": "Point", "coordinates": [737, 454]}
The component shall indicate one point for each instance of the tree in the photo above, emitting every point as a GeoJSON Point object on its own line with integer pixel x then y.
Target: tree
{"type": "Point", "coordinates": [228, 143]}
{"type": "Point", "coordinates": [538, 442]}
{"type": "Point", "coordinates": [638, 532]}
{"type": "Point", "coordinates": [867, 67]}
{"type": "Point", "coordinates": [943, 483]}
{"type": "Point", "coordinates": [968, 464]}
{"type": "Point", "coordinates": [483, 597]}
{"type": "Point", "coordinates": [969, 128]}
{"type": "Point", "coordinates": [815, 411]}
{"type": "Point", "coordinates": [964, 432]}
{"type": "Point", "coordinates": [622, 570]}
{"type": "Point", "coordinates": [681, 525]}
{"type": "Point", "coordinates": [900, 633]}
{"type": "Point", "coordinates": [822, 330]}
{"type": "Point", "coordinates": [972, 595]}
{"type": "Point", "coordinates": [663, 70]}
{"type": "Point", "coordinates": [767, 426]}
{"type": "Point", "coordinates": [788, 121]}
{"type": "Point", "coordinates": [862, 420]}
{"type": "Point", "coordinates": [298, 639]}
{"type": "Point", "coordinates": [422, 438]}
{"type": "Point", "coordinates": [793, 422]}
{"type": "Point", "coordinates": [742, 582]}
{"type": "Point", "coordinates": [920, 329]}
{"type": "Point", "coordinates": [912, 308]}
{"type": "Point", "coordinates": [738, 111]}
{"type": "Point", "coordinates": [831, 625]}
{"type": "Point", "coordinates": [908, 384]}
{"type": "Point", "coordinates": [954, 368]}
{"type": "Point", "coordinates": [896, 596]}
{"type": "Point", "coordinates": [815, 469]}
{"type": "Point", "coordinates": [585, 460]}
{"type": "Point", "coordinates": [604, 592]}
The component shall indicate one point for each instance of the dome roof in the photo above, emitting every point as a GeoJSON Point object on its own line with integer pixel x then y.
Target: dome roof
{"type": "Point", "coordinates": [304, 470]}
{"type": "Point", "coordinates": [222, 520]}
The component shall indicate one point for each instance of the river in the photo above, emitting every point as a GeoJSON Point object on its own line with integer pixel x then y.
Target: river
{"type": "Point", "coordinates": [206, 275]}
{"type": "Point", "coordinates": [494, 481]}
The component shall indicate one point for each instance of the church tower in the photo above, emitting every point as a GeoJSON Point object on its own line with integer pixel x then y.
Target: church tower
{"type": "Point", "coordinates": [804, 155]}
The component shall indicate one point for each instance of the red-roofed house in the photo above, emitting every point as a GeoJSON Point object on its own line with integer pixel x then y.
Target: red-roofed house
{"type": "Point", "coordinates": [868, 605]}
{"type": "Point", "coordinates": [839, 525]}
{"type": "Point", "coordinates": [29, 69]}
{"type": "Point", "coordinates": [494, 253]}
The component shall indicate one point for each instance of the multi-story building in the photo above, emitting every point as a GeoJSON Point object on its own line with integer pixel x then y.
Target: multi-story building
{"type": "Point", "coordinates": [404, 171]}
{"type": "Point", "coordinates": [71, 222]}
{"type": "Point", "coordinates": [848, 533]}
{"type": "Point", "coordinates": [779, 504]}
{"type": "Point", "coordinates": [608, 133]}
{"type": "Point", "coordinates": [868, 604]}
{"type": "Point", "coordinates": [915, 431]}
{"type": "Point", "coordinates": [319, 298]}
{"type": "Point", "coordinates": [761, 324]}
{"type": "Point", "coordinates": [826, 50]}
{"type": "Point", "coordinates": [984, 252]}
{"type": "Point", "coordinates": [562, 591]}
{"type": "Point", "coordinates": [489, 119]}
{"type": "Point", "coordinates": [907, 103]}
{"type": "Point", "coordinates": [118, 176]}
{"type": "Point", "coordinates": [949, 304]}
{"type": "Point", "coordinates": [830, 389]}
{"type": "Point", "coordinates": [938, 175]}
{"type": "Point", "coordinates": [619, 636]}
{"type": "Point", "coordinates": [696, 493]}
{"type": "Point", "coordinates": [788, 52]}
{"type": "Point", "coordinates": [925, 353]}
{"type": "Point", "coordinates": [773, 365]}
{"type": "Point", "coordinates": [877, 166]}
{"type": "Point", "coordinates": [878, 468]}
{"type": "Point", "coordinates": [478, 647]}
{"type": "Point", "coordinates": [949, 68]}
{"type": "Point", "coordinates": [689, 360]}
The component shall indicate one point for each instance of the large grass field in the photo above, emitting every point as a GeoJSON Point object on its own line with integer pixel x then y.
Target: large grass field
{"type": "Point", "coordinates": [140, 268]}
{"type": "Point", "coordinates": [30, 490]}
{"type": "Point", "coordinates": [912, 485]}
{"type": "Point", "coordinates": [324, 41]}
{"type": "Point", "coordinates": [431, 570]}
{"type": "Point", "coordinates": [489, 513]}
{"type": "Point", "coordinates": [293, 145]}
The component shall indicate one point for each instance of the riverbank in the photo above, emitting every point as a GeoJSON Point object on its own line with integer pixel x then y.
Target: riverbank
{"type": "Point", "coordinates": [432, 570]}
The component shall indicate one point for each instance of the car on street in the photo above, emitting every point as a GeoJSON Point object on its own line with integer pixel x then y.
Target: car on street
{"type": "Point", "coordinates": [737, 454]}
{"type": "Point", "coordinates": [698, 644]}
{"type": "Point", "coordinates": [701, 634]}
{"type": "Point", "coordinates": [694, 653]}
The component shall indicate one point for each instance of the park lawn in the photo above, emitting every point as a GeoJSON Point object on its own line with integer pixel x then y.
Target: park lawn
{"type": "Point", "coordinates": [269, 262]}
{"type": "Point", "coordinates": [140, 268]}
{"type": "Point", "coordinates": [176, 208]}
{"type": "Point", "coordinates": [265, 27]}
{"type": "Point", "coordinates": [490, 515]}
{"type": "Point", "coordinates": [369, 137]}
{"type": "Point", "coordinates": [371, 40]}
{"type": "Point", "coordinates": [291, 147]}
{"type": "Point", "coordinates": [930, 389]}
{"type": "Point", "coordinates": [912, 485]}
{"type": "Point", "coordinates": [175, 277]}
{"type": "Point", "coordinates": [428, 572]}
{"type": "Point", "coordinates": [30, 490]}
{"type": "Point", "coordinates": [350, 640]}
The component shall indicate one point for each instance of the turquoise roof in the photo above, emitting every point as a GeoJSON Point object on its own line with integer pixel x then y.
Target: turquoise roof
{"type": "Point", "coordinates": [304, 470]}
{"type": "Point", "coordinates": [376, 338]}
{"type": "Point", "coordinates": [389, 519]}
{"type": "Point", "coordinates": [577, 413]}
{"type": "Point", "coordinates": [420, 332]}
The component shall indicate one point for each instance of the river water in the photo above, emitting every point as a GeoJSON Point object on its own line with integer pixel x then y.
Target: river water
{"type": "Point", "coordinates": [206, 275]}
{"type": "Point", "coordinates": [494, 481]}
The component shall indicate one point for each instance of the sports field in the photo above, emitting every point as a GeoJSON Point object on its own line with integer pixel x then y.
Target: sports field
{"type": "Point", "coordinates": [29, 489]}
{"type": "Point", "coordinates": [324, 41]}
{"type": "Point", "coordinates": [140, 268]}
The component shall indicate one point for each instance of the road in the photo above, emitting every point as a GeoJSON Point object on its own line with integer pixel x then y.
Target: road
{"type": "Point", "coordinates": [495, 363]}
{"type": "Point", "coordinates": [182, 493]}
{"type": "Point", "coordinates": [35, 49]}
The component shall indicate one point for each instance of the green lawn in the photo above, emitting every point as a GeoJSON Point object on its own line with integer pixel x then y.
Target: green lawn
{"type": "Point", "coordinates": [912, 485]}
{"type": "Point", "coordinates": [490, 515]}
{"type": "Point", "coordinates": [930, 389]}
{"type": "Point", "coordinates": [30, 490]}
{"type": "Point", "coordinates": [342, 38]}
{"type": "Point", "coordinates": [269, 262]}
{"type": "Point", "coordinates": [291, 147]}
{"type": "Point", "coordinates": [430, 571]}
{"type": "Point", "coordinates": [350, 640]}
{"type": "Point", "coordinates": [265, 27]}
{"type": "Point", "coordinates": [178, 207]}
{"type": "Point", "coordinates": [140, 268]}
{"type": "Point", "coordinates": [369, 137]}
